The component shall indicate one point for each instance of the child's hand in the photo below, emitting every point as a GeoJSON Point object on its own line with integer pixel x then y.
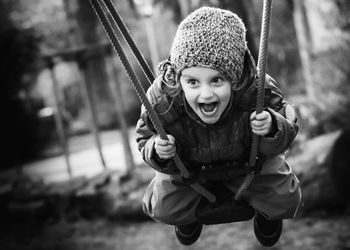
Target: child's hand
{"type": "Point", "coordinates": [261, 123]}
{"type": "Point", "coordinates": [165, 149]}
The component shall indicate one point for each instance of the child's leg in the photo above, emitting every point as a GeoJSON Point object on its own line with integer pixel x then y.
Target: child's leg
{"type": "Point", "coordinates": [169, 200]}
{"type": "Point", "coordinates": [275, 191]}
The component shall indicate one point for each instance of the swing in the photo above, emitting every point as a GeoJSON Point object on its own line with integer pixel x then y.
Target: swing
{"type": "Point", "coordinates": [218, 204]}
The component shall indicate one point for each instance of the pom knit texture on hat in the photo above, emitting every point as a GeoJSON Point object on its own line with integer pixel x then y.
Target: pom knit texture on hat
{"type": "Point", "coordinates": [210, 37]}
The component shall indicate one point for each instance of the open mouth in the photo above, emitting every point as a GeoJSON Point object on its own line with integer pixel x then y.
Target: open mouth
{"type": "Point", "coordinates": [208, 108]}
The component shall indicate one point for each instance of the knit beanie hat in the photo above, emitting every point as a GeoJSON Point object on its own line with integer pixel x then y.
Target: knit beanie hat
{"type": "Point", "coordinates": [210, 37]}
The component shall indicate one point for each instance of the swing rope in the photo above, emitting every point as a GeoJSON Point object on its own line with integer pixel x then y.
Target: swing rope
{"type": "Point", "coordinates": [96, 4]}
{"type": "Point", "coordinates": [129, 40]}
{"type": "Point", "coordinates": [262, 59]}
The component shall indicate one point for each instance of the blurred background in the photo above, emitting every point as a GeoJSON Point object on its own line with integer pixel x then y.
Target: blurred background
{"type": "Point", "coordinates": [68, 110]}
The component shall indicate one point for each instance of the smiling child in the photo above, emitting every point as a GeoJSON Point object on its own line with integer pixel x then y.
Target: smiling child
{"type": "Point", "coordinates": [205, 97]}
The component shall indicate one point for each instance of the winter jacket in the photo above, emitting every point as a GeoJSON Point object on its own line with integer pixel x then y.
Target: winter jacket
{"type": "Point", "coordinates": [227, 140]}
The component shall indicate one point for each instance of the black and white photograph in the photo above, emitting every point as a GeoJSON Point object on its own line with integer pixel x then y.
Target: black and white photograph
{"type": "Point", "coordinates": [175, 124]}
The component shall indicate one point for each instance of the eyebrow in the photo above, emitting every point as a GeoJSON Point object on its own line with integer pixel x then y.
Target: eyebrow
{"type": "Point", "coordinates": [187, 76]}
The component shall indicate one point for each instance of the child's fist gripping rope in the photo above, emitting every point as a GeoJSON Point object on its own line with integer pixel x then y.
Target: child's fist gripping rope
{"type": "Point", "coordinates": [261, 123]}
{"type": "Point", "coordinates": [165, 149]}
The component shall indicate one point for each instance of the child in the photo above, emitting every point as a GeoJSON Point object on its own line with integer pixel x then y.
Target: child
{"type": "Point", "coordinates": [205, 100]}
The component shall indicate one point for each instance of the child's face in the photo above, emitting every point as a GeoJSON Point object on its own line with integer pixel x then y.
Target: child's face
{"type": "Point", "coordinates": [207, 91]}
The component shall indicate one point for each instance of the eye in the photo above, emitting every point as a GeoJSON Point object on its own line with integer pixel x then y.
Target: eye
{"type": "Point", "coordinates": [217, 79]}
{"type": "Point", "coordinates": [192, 82]}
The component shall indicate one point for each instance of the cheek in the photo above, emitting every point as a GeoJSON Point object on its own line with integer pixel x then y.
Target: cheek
{"type": "Point", "coordinates": [190, 96]}
{"type": "Point", "coordinates": [225, 95]}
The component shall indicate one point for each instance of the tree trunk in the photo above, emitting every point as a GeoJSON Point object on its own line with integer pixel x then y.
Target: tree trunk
{"type": "Point", "coordinates": [323, 34]}
{"type": "Point", "coordinates": [324, 43]}
{"type": "Point", "coordinates": [304, 38]}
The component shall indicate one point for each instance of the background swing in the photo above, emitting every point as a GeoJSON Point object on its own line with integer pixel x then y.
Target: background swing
{"type": "Point", "coordinates": [223, 209]}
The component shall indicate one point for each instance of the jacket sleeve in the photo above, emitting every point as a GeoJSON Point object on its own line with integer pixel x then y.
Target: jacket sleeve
{"type": "Point", "coordinates": [284, 122]}
{"type": "Point", "coordinates": [146, 134]}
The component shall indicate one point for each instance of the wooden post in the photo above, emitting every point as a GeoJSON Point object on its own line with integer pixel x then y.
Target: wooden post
{"type": "Point", "coordinates": [58, 117]}
{"type": "Point", "coordinates": [85, 21]}
{"type": "Point", "coordinates": [119, 105]}
{"type": "Point", "coordinates": [90, 104]}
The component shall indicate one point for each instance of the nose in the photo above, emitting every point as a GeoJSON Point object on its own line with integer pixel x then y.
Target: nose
{"type": "Point", "coordinates": [206, 92]}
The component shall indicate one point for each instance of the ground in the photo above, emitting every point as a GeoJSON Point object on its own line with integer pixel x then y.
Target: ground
{"type": "Point", "coordinates": [73, 231]}
{"type": "Point", "coordinates": [314, 232]}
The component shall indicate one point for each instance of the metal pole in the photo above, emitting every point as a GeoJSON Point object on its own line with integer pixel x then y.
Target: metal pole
{"type": "Point", "coordinates": [58, 117]}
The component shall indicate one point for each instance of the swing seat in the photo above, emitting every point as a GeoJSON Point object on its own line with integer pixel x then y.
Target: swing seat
{"type": "Point", "coordinates": [225, 209]}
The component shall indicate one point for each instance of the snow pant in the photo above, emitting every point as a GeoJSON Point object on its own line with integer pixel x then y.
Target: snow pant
{"type": "Point", "coordinates": [274, 192]}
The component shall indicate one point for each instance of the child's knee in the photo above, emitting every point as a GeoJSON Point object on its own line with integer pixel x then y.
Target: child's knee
{"type": "Point", "coordinates": [291, 200]}
{"type": "Point", "coordinates": [168, 215]}
{"type": "Point", "coordinates": [289, 205]}
{"type": "Point", "coordinates": [170, 211]}
{"type": "Point", "coordinates": [282, 202]}
{"type": "Point", "coordinates": [295, 203]}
